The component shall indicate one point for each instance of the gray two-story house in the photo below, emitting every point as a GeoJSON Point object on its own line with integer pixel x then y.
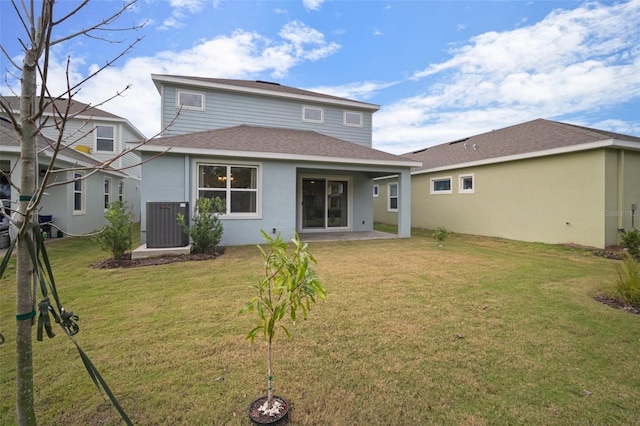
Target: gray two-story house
{"type": "Point", "coordinates": [283, 159]}
{"type": "Point", "coordinates": [91, 170]}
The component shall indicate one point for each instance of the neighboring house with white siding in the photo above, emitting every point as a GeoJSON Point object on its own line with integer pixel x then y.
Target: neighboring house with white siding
{"type": "Point", "coordinates": [541, 180]}
{"type": "Point", "coordinates": [284, 159]}
{"type": "Point", "coordinates": [91, 137]}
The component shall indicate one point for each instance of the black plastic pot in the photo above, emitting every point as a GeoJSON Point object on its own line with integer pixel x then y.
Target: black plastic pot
{"type": "Point", "coordinates": [261, 419]}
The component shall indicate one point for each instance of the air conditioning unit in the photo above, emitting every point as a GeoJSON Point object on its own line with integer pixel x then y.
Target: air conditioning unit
{"type": "Point", "coordinates": [163, 229]}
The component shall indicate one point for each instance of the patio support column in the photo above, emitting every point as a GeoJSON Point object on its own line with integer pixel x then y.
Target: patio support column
{"type": "Point", "coordinates": [404, 209]}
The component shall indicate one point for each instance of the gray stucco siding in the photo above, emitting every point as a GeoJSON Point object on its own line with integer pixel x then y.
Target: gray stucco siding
{"type": "Point", "coordinates": [232, 109]}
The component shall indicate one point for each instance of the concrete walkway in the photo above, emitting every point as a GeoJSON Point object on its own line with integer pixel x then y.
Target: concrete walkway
{"type": "Point", "coordinates": [346, 236]}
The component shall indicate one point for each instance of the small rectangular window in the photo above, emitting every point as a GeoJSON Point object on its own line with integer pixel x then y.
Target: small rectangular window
{"type": "Point", "coordinates": [121, 191]}
{"type": "Point", "coordinates": [107, 193]}
{"type": "Point", "coordinates": [78, 192]}
{"type": "Point", "coordinates": [105, 139]}
{"type": "Point", "coordinates": [466, 184]}
{"type": "Point", "coordinates": [312, 114]}
{"type": "Point", "coordinates": [190, 100]}
{"type": "Point", "coordinates": [376, 190]}
{"type": "Point", "coordinates": [352, 119]}
{"type": "Point", "coordinates": [392, 199]}
{"type": "Point", "coordinates": [441, 185]}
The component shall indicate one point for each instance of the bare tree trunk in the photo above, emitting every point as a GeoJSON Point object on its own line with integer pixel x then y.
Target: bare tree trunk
{"type": "Point", "coordinates": [270, 378]}
{"type": "Point", "coordinates": [24, 297]}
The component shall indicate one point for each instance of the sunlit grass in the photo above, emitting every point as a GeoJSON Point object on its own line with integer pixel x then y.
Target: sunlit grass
{"type": "Point", "coordinates": [480, 331]}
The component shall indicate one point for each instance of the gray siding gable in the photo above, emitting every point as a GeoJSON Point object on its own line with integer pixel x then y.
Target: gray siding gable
{"type": "Point", "coordinates": [224, 108]}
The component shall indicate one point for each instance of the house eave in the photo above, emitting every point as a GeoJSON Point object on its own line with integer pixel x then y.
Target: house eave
{"type": "Point", "coordinates": [607, 143]}
{"type": "Point", "coordinates": [278, 156]}
{"type": "Point", "coordinates": [158, 80]}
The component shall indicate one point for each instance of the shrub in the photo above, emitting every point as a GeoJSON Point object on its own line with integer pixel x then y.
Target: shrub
{"type": "Point", "coordinates": [116, 237]}
{"type": "Point", "coordinates": [628, 285]}
{"type": "Point", "coordinates": [206, 229]}
{"type": "Point", "coordinates": [631, 241]}
{"type": "Point", "coordinates": [440, 234]}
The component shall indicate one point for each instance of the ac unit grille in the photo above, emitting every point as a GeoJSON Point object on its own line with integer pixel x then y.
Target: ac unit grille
{"type": "Point", "coordinates": [163, 229]}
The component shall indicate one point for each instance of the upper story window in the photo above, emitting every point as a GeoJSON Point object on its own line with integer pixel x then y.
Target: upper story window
{"type": "Point", "coordinates": [105, 140]}
{"type": "Point", "coordinates": [352, 119]}
{"type": "Point", "coordinates": [312, 114]}
{"type": "Point", "coordinates": [190, 100]}
{"type": "Point", "coordinates": [466, 184]}
{"type": "Point", "coordinates": [441, 185]}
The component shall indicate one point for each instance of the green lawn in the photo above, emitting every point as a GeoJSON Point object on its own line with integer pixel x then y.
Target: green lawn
{"type": "Point", "coordinates": [480, 331]}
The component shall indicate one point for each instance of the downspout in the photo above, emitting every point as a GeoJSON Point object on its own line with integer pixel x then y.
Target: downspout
{"type": "Point", "coordinates": [620, 186]}
{"type": "Point", "coordinates": [187, 178]}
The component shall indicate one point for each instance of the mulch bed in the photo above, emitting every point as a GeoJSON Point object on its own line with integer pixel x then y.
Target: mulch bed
{"type": "Point", "coordinates": [616, 303]}
{"type": "Point", "coordinates": [127, 262]}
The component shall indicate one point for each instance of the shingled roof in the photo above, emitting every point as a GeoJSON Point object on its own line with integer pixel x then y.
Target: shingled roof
{"type": "Point", "coordinates": [268, 142]}
{"type": "Point", "coordinates": [76, 109]}
{"type": "Point", "coordinates": [532, 138]}
{"type": "Point", "coordinates": [258, 86]}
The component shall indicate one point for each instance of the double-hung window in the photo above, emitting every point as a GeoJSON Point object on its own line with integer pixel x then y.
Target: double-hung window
{"type": "Point", "coordinates": [392, 198]}
{"type": "Point", "coordinates": [78, 193]}
{"type": "Point", "coordinates": [236, 185]}
{"type": "Point", "coordinates": [105, 139]}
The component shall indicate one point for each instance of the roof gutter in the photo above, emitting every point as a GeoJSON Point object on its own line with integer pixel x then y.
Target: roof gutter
{"type": "Point", "coordinates": [279, 156]}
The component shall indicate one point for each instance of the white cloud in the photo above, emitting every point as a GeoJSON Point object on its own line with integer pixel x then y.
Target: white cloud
{"type": "Point", "coordinates": [312, 4]}
{"type": "Point", "coordinates": [357, 91]}
{"type": "Point", "coordinates": [241, 54]}
{"type": "Point", "coordinates": [572, 62]}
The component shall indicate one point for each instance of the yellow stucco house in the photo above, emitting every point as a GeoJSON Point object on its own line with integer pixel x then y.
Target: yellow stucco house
{"type": "Point", "coordinates": [540, 181]}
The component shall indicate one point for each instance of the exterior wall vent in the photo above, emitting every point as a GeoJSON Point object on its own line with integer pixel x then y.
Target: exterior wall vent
{"type": "Point", "coordinates": [163, 229]}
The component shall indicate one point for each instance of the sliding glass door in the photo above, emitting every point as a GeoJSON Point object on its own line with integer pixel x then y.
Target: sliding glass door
{"type": "Point", "coordinates": [325, 203]}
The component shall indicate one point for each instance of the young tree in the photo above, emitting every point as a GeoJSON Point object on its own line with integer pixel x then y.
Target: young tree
{"type": "Point", "coordinates": [42, 26]}
{"type": "Point", "coordinates": [116, 237]}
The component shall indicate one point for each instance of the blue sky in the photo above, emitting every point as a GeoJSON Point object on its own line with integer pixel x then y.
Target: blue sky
{"type": "Point", "coordinates": [440, 70]}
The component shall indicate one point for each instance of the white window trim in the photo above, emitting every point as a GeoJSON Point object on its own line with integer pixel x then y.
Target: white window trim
{"type": "Point", "coordinates": [188, 107]}
{"type": "Point", "coordinates": [95, 140]}
{"type": "Point", "coordinates": [121, 191]}
{"type": "Point", "coordinates": [83, 193]}
{"type": "Point", "coordinates": [214, 162]}
{"type": "Point", "coordinates": [107, 196]}
{"type": "Point", "coordinates": [376, 190]}
{"type": "Point", "coordinates": [432, 180]}
{"type": "Point", "coordinates": [321, 121]}
{"type": "Point", "coordinates": [389, 209]}
{"type": "Point", "coordinates": [344, 119]}
{"type": "Point", "coordinates": [473, 184]}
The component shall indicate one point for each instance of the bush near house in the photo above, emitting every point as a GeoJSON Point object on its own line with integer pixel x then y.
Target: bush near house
{"type": "Point", "coordinates": [206, 229]}
{"type": "Point", "coordinates": [116, 237]}
{"type": "Point", "coordinates": [628, 284]}
{"type": "Point", "coordinates": [631, 241]}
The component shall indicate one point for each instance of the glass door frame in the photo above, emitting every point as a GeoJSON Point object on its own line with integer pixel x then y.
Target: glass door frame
{"type": "Point", "coordinates": [326, 179]}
